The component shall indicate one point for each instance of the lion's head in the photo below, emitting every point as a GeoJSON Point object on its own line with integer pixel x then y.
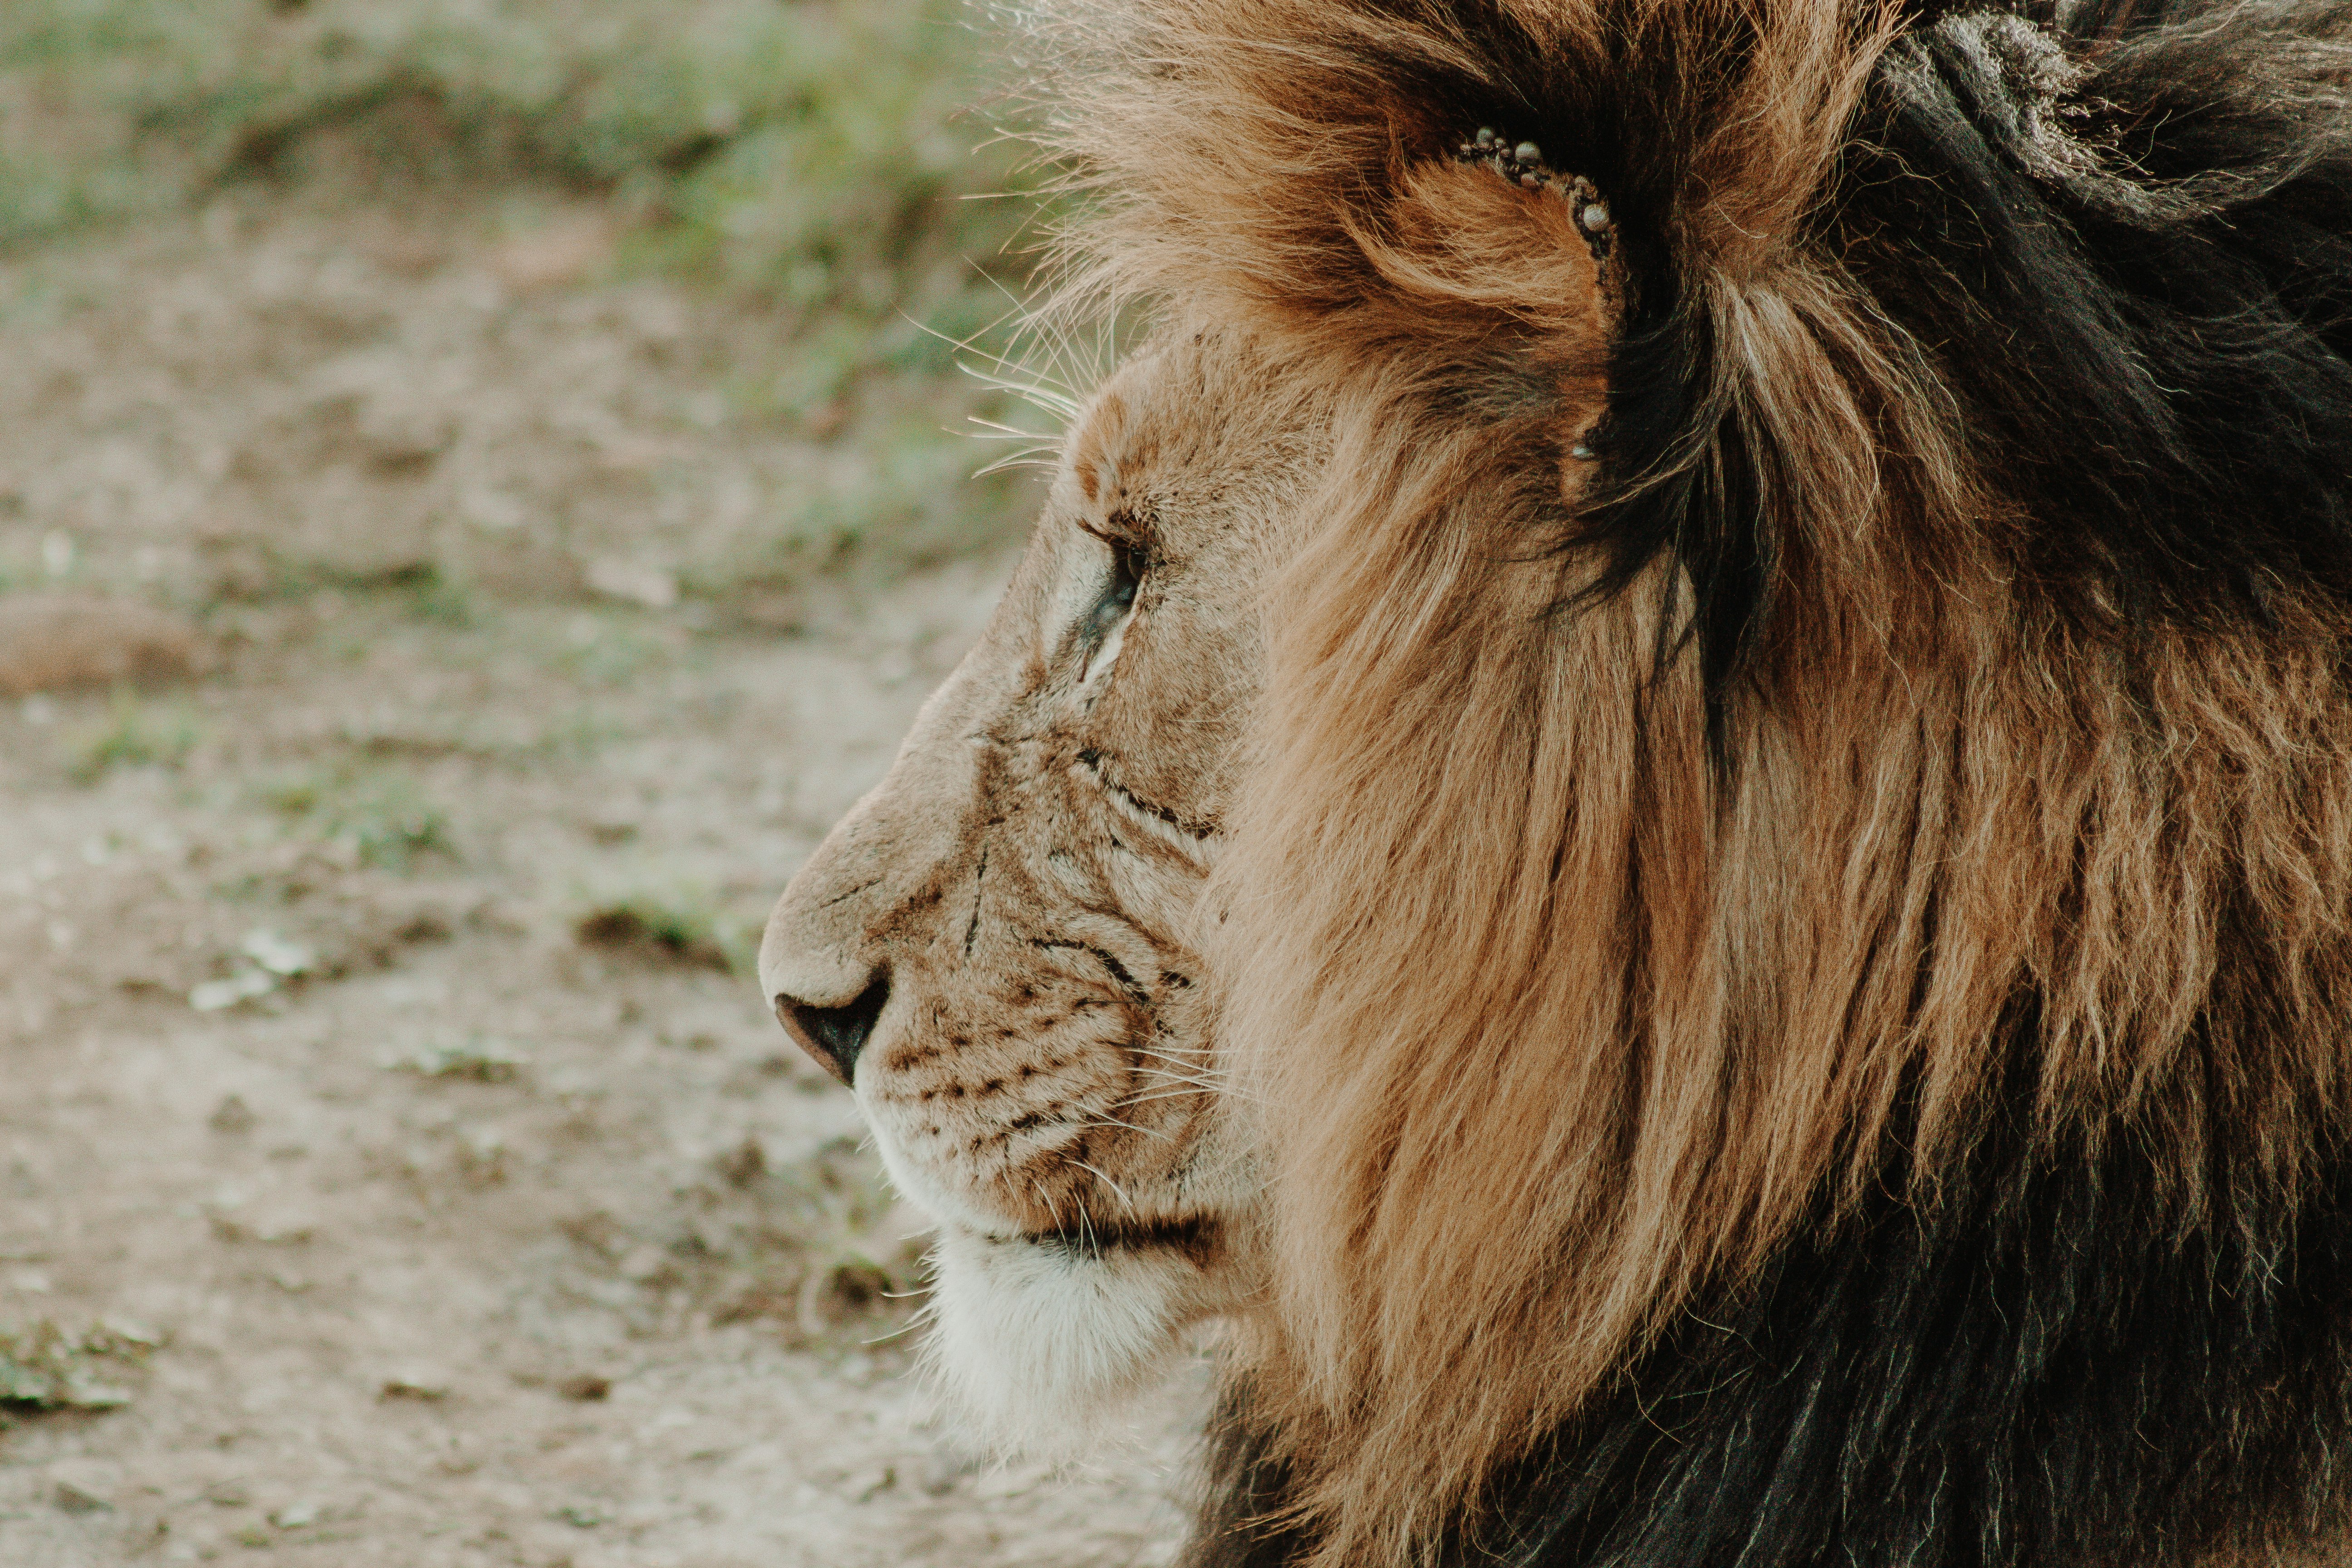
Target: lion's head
{"type": "Point", "coordinates": [1668, 792]}
{"type": "Point", "coordinates": [999, 948]}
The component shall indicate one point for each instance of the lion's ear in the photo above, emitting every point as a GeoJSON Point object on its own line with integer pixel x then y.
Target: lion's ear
{"type": "Point", "coordinates": [1500, 253]}
{"type": "Point", "coordinates": [1339, 182]}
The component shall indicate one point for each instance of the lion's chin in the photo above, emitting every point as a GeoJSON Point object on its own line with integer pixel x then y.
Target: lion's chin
{"type": "Point", "coordinates": [1042, 1345]}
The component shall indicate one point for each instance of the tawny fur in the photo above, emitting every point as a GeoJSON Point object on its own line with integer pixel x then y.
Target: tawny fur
{"type": "Point", "coordinates": [1548, 1027]}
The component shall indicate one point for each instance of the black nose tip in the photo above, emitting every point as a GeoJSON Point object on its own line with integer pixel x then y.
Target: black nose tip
{"type": "Point", "coordinates": [834, 1036]}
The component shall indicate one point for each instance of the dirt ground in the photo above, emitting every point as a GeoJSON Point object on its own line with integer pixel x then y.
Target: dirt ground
{"type": "Point", "coordinates": [393, 1172]}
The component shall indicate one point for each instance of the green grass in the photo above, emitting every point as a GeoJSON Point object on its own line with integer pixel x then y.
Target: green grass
{"type": "Point", "coordinates": [374, 817]}
{"type": "Point", "coordinates": [814, 147]}
{"type": "Point", "coordinates": [808, 1243]}
{"type": "Point", "coordinates": [675, 926]}
{"type": "Point", "coordinates": [478, 1058]}
{"type": "Point", "coordinates": [815, 157]}
{"type": "Point", "coordinates": [43, 1367]}
{"type": "Point", "coordinates": [604, 650]}
{"type": "Point", "coordinates": [137, 734]}
{"type": "Point", "coordinates": [437, 599]}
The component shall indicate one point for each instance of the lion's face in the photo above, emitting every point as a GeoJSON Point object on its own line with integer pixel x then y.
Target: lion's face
{"type": "Point", "coordinates": [994, 947]}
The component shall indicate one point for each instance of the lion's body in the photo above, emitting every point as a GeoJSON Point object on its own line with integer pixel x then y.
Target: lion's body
{"type": "Point", "coordinates": [1695, 857]}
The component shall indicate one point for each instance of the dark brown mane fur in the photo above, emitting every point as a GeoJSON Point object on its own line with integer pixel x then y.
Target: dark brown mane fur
{"type": "Point", "coordinates": [1797, 973]}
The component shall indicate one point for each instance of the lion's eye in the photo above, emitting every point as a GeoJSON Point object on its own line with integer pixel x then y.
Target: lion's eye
{"type": "Point", "coordinates": [1128, 563]}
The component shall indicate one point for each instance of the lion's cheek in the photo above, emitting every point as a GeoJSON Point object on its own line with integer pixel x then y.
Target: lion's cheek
{"type": "Point", "coordinates": [1040, 1347]}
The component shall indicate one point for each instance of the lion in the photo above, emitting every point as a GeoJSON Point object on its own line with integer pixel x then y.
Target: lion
{"type": "Point", "coordinates": [1665, 808]}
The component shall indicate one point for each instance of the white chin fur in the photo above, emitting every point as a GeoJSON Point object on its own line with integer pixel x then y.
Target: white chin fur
{"type": "Point", "coordinates": [1040, 1347]}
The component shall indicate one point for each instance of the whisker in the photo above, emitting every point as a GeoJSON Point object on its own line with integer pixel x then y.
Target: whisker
{"type": "Point", "coordinates": [1047, 1199]}
{"type": "Point", "coordinates": [1180, 1062]}
{"type": "Point", "coordinates": [909, 1327]}
{"type": "Point", "coordinates": [1184, 1093]}
{"type": "Point", "coordinates": [1109, 1121]}
{"type": "Point", "coordinates": [1171, 1074]}
{"type": "Point", "coordinates": [1034, 457]}
{"type": "Point", "coordinates": [1106, 1181]}
{"type": "Point", "coordinates": [998, 429]}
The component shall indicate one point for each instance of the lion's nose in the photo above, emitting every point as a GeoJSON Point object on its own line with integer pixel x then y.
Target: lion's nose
{"type": "Point", "coordinates": [834, 1036]}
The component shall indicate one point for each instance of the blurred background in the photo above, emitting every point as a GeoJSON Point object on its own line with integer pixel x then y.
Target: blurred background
{"type": "Point", "coordinates": [483, 485]}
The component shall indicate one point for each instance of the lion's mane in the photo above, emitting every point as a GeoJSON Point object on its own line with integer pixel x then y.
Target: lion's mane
{"type": "Point", "coordinates": [1816, 1033]}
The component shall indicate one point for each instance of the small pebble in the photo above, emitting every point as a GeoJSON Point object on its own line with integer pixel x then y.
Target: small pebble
{"type": "Point", "coordinates": [1582, 452]}
{"type": "Point", "coordinates": [1528, 153]}
{"type": "Point", "coordinates": [1485, 136]}
{"type": "Point", "coordinates": [1530, 181]}
{"type": "Point", "coordinates": [1596, 217]}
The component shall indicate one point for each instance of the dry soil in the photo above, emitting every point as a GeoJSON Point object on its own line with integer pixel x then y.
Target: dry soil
{"type": "Point", "coordinates": [354, 1209]}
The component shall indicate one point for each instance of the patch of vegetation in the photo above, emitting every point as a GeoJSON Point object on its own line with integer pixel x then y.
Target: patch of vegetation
{"type": "Point", "coordinates": [817, 156]}
{"type": "Point", "coordinates": [681, 929]}
{"type": "Point", "coordinates": [808, 146]}
{"type": "Point", "coordinates": [436, 597]}
{"type": "Point", "coordinates": [420, 590]}
{"type": "Point", "coordinates": [266, 961]}
{"type": "Point", "coordinates": [573, 737]}
{"type": "Point", "coordinates": [477, 1059]}
{"type": "Point", "coordinates": [137, 734]}
{"type": "Point", "coordinates": [374, 817]}
{"type": "Point", "coordinates": [608, 650]}
{"type": "Point", "coordinates": [43, 1367]}
{"type": "Point", "coordinates": [812, 1243]}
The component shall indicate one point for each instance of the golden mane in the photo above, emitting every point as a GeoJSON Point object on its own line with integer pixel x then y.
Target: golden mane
{"type": "Point", "coordinates": [1580, 946]}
